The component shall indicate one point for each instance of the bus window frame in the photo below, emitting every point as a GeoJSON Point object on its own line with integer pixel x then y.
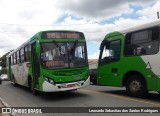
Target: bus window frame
{"type": "Point", "coordinates": [102, 49]}
{"type": "Point", "coordinates": [67, 55]}
{"type": "Point", "coordinates": [18, 53]}
{"type": "Point", "coordinates": [26, 53]}
{"type": "Point", "coordinates": [22, 49]}
{"type": "Point", "coordinates": [15, 58]}
{"type": "Point", "coordinates": [11, 59]}
{"type": "Point", "coordinates": [128, 36]}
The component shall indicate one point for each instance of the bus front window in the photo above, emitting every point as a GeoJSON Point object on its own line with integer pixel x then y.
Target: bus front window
{"type": "Point", "coordinates": [54, 55]}
{"type": "Point", "coordinates": [111, 52]}
{"type": "Point", "coordinates": [77, 54]}
{"type": "Point", "coordinates": [63, 55]}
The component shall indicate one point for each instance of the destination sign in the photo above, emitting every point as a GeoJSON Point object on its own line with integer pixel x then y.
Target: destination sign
{"type": "Point", "coordinates": [62, 35]}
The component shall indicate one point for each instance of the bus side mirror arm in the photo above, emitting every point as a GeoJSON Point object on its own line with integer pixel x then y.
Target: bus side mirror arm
{"type": "Point", "coordinates": [102, 45]}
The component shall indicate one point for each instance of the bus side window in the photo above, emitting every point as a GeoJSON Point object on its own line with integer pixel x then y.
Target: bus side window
{"type": "Point", "coordinates": [11, 60]}
{"type": "Point", "coordinates": [15, 59]}
{"type": "Point", "coordinates": [22, 55]}
{"type": "Point", "coordinates": [18, 59]}
{"type": "Point", "coordinates": [143, 42]}
{"type": "Point", "coordinates": [27, 51]}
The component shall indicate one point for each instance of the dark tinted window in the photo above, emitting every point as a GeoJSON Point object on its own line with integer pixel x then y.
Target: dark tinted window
{"type": "Point", "coordinates": [15, 60]}
{"type": "Point", "coordinates": [27, 51]}
{"type": "Point", "coordinates": [11, 59]}
{"type": "Point", "coordinates": [144, 42]}
{"type": "Point", "coordinates": [111, 52]}
{"type": "Point", "coordinates": [142, 36]}
{"type": "Point", "coordinates": [22, 55]}
{"type": "Point", "coordinates": [18, 59]}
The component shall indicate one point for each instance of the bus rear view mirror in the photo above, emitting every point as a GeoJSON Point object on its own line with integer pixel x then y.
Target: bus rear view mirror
{"type": "Point", "coordinates": [102, 45]}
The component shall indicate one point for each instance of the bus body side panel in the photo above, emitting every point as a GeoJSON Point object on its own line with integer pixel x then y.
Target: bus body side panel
{"type": "Point", "coordinates": [24, 74]}
{"type": "Point", "coordinates": [153, 65]}
{"type": "Point", "coordinates": [137, 64]}
{"type": "Point", "coordinates": [20, 73]}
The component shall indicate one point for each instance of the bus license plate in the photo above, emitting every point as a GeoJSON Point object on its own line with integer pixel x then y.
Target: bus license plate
{"type": "Point", "coordinates": [71, 85]}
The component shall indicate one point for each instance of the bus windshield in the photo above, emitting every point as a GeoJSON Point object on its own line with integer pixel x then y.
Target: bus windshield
{"type": "Point", "coordinates": [111, 52]}
{"type": "Point", "coordinates": [63, 55]}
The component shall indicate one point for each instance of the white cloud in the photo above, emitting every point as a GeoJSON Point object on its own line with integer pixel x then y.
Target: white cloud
{"type": "Point", "coordinates": [2, 51]}
{"type": "Point", "coordinates": [43, 13]}
{"type": "Point", "coordinates": [98, 9]}
{"type": "Point", "coordinates": [23, 14]}
{"type": "Point", "coordinates": [150, 11]}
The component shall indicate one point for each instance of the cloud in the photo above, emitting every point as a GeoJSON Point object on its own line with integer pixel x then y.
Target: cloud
{"type": "Point", "coordinates": [32, 16]}
{"type": "Point", "coordinates": [90, 9]}
{"type": "Point", "coordinates": [19, 18]}
{"type": "Point", "coordinates": [2, 51]}
{"type": "Point", "coordinates": [150, 11]}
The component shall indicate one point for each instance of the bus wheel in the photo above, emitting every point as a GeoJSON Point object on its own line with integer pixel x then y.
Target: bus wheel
{"type": "Point", "coordinates": [135, 86]}
{"type": "Point", "coordinates": [14, 82]}
{"type": "Point", "coordinates": [0, 81]}
{"type": "Point", "coordinates": [34, 92]}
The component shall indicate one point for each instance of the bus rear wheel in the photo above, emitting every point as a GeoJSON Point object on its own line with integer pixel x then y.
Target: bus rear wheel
{"type": "Point", "coordinates": [33, 90]}
{"type": "Point", "coordinates": [135, 86]}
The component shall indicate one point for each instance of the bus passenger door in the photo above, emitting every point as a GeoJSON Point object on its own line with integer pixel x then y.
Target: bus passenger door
{"type": "Point", "coordinates": [36, 65]}
{"type": "Point", "coordinates": [109, 63]}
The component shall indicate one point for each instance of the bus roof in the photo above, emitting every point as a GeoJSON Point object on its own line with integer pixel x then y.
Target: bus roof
{"type": "Point", "coordinates": [135, 28]}
{"type": "Point", "coordinates": [59, 31]}
{"type": "Point", "coordinates": [141, 27]}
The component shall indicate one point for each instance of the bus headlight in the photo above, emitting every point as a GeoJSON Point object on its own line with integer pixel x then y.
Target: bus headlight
{"type": "Point", "coordinates": [49, 80]}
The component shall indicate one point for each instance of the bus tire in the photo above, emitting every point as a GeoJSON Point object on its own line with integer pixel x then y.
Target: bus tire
{"type": "Point", "coordinates": [95, 82]}
{"type": "Point", "coordinates": [33, 90]}
{"type": "Point", "coordinates": [135, 86]}
{"type": "Point", "coordinates": [14, 82]}
{"type": "Point", "coordinates": [0, 81]}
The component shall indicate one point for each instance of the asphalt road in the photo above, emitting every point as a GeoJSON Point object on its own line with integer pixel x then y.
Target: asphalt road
{"type": "Point", "coordinates": [92, 96]}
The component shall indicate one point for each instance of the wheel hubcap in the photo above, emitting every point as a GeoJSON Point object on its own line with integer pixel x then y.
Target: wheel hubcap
{"type": "Point", "coordinates": [135, 85]}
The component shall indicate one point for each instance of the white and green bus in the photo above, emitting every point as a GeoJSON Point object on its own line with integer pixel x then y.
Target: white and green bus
{"type": "Point", "coordinates": [50, 61]}
{"type": "Point", "coordinates": [131, 59]}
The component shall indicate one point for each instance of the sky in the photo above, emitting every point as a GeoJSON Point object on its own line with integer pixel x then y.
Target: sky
{"type": "Point", "coordinates": [21, 19]}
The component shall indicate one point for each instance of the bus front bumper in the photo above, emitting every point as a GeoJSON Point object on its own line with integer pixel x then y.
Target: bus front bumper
{"type": "Point", "coordinates": [47, 87]}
